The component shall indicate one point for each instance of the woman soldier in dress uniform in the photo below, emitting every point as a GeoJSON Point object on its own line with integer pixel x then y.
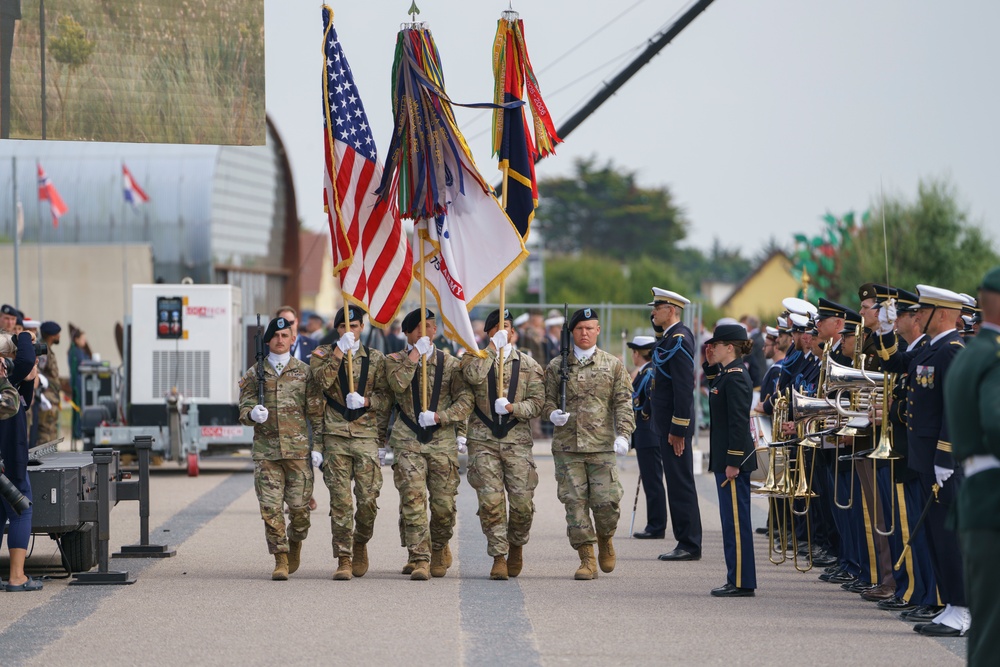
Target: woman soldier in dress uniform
{"type": "Point", "coordinates": [731, 453]}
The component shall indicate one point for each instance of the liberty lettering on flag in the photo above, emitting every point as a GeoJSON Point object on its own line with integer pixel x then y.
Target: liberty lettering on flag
{"type": "Point", "coordinates": [370, 249]}
{"type": "Point", "coordinates": [465, 245]}
{"type": "Point", "coordinates": [133, 193]}
{"type": "Point", "coordinates": [512, 73]}
{"type": "Point", "coordinates": [47, 192]}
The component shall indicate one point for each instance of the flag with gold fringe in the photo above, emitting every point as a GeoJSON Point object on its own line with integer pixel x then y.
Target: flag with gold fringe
{"type": "Point", "coordinates": [512, 143]}
{"type": "Point", "coordinates": [464, 243]}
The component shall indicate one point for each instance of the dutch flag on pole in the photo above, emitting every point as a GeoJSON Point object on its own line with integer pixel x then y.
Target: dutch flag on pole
{"type": "Point", "coordinates": [133, 193]}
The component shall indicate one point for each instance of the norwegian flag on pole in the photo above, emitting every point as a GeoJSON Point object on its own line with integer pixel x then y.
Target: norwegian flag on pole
{"type": "Point", "coordinates": [370, 249]}
{"type": "Point", "coordinates": [133, 193]}
{"type": "Point", "coordinates": [47, 192]}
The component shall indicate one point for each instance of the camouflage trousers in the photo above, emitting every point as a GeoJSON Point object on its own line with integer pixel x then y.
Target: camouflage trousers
{"type": "Point", "coordinates": [588, 483]}
{"type": "Point", "coordinates": [48, 425]}
{"type": "Point", "coordinates": [417, 476]}
{"type": "Point", "coordinates": [279, 482]}
{"type": "Point", "coordinates": [493, 469]}
{"type": "Point", "coordinates": [346, 459]}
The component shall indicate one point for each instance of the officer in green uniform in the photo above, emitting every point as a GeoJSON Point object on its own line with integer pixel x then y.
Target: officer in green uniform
{"type": "Point", "coordinates": [354, 431]}
{"type": "Point", "coordinates": [972, 403]}
{"type": "Point", "coordinates": [282, 470]}
{"type": "Point", "coordinates": [500, 443]}
{"type": "Point", "coordinates": [596, 424]}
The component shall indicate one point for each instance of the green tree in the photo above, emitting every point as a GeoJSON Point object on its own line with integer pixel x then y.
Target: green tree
{"type": "Point", "coordinates": [602, 210]}
{"type": "Point", "coordinates": [70, 48]}
{"type": "Point", "coordinates": [930, 241]}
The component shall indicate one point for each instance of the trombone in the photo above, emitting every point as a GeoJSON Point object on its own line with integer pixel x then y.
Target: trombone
{"type": "Point", "coordinates": [884, 452]}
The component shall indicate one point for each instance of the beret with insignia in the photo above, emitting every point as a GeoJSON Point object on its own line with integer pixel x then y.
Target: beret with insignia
{"type": "Point", "coordinates": [582, 315]}
{"type": "Point", "coordinates": [493, 319]}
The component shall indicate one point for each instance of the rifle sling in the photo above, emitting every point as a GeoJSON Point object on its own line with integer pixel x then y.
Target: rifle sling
{"type": "Point", "coordinates": [356, 413]}
{"type": "Point", "coordinates": [502, 426]}
{"type": "Point", "coordinates": [425, 433]}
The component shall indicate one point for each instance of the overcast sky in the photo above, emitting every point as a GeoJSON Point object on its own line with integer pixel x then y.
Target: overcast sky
{"type": "Point", "coordinates": [759, 117]}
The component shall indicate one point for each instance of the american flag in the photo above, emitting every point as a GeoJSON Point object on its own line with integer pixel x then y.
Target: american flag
{"type": "Point", "coordinates": [370, 249]}
{"type": "Point", "coordinates": [47, 192]}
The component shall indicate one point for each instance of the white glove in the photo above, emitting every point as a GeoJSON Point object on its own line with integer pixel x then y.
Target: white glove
{"type": "Point", "coordinates": [942, 474]}
{"type": "Point", "coordinates": [346, 342]}
{"type": "Point", "coordinates": [886, 317]}
{"type": "Point", "coordinates": [44, 402]}
{"type": "Point", "coordinates": [43, 382]}
{"type": "Point", "coordinates": [500, 406]}
{"type": "Point", "coordinates": [559, 418]}
{"type": "Point", "coordinates": [259, 414]}
{"type": "Point", "coordinates": [354, 400]}
{"type": "Point", "coordinates": [499, 339]}
{"type": "Point", "coordinates": [621, 445]}
{"type": "Point", "coordinates": [461, 440]}
{"type": "Point", "coordinates": [381, 456]}
{"type": "Point", "coordinates": [426, 418]}
{"type": "Point", "coordinates": [317, 458]}
{"type": "Point", "coordinates": [424, 346]}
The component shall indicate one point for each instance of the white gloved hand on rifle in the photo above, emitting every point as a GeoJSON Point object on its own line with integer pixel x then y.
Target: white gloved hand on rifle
{"type": "Point", "coordinates": [559, 418]}
{"type": "Point", "coordinates": [259, 414]}
{"type": "Point", "coordinates": [354, 401]}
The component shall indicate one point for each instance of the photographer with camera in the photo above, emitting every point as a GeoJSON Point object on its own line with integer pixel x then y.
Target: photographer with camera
{"type": "Point", "coordinates": [21, 373]}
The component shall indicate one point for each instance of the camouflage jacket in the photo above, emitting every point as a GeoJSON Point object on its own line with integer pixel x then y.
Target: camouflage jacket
{"type": "Point", "coordinates": [48, 367]}
{"type": "Point", "coordinates": [599, 400]}
{"type": "Point", "coordinates": [326, 375]}
{"type": "Point", "coordinates": [10, 400]}
{"type": "Point", "coordinates": [527, 401]}
{"type": "Point", "coordinates": [453, 408]}
{"type": "Point", "coordinates": [291, 399]}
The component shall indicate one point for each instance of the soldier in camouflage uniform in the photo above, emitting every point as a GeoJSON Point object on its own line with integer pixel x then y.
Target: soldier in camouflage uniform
{"type": "Point", "coordinates": [354, 431]}
{"type": "Point", "coordinates": [48, 420]}
{"type": "Point", "coordinates": [500, 444]}
{"type": "Point", "coordinates": [596, 425]}
{"type": "Point", "coordinates": [424, 443]}
{"type": "Point", "coordinates": [282, 470]}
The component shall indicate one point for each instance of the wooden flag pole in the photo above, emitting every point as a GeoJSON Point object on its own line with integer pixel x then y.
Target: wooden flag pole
{"type": "Point", "coordinates": [423, 323]}
{"type": "Point", "coordinates": [503, 290]}
{"type": "Point", "coordinates": [350, 353]}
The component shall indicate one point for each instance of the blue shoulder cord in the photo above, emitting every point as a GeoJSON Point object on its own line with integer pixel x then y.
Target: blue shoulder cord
{"type": "Point", "coordinates": [643, 389]}
{"type": "Point", "coordinates": [662, 356]}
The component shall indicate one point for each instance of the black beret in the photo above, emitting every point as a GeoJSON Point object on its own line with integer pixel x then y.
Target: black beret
{"type": "Point", "coordinates": [412, 320]}
{"type": "Point", "coordinates": [353, 312]}
{"type": "Point", "coordinates": [582, 315]}
{"type": "Point", "coordinates": [275, 325]}
{"type": "Point", "coordinates": [7, 309]}
{"type": "Point", "coordinates": [493, 319]}
{"type": "Point", "coordinates": [50, 328]}
{"type": "Point", "coordinates": [728, 333]}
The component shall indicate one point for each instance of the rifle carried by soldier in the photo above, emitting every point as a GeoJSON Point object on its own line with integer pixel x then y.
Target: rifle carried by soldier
{"type": "Point", "coordinates": [258, 342]}
{"type": "Point", "coordinates": [564, 353]}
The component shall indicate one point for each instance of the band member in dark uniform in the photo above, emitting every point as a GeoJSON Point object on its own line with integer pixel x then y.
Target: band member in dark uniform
{"type": "Point", "coordinates": [646, 443]}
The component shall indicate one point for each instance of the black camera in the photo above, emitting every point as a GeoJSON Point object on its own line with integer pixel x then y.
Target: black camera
{"type": "Point", "coordinates": [12, 494]}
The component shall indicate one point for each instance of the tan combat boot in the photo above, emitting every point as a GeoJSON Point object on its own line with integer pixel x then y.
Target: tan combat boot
{"type": "Point", "coordinates": [421, 571]}
{"type": "Point", "coordinates": [294, 555]}
{"type": "Point", "coordinates": [447, 556]}
{"type": "Point", "coordinates": [499, 571]}
{"type": "Point", "coordinates": [605, 554]}
{"type": "Point", "coordinates": [280, 567]}
{"type": "Point", "coordinates": [409, 567]}
{"type": "Point", "coordinates": [359, 564]}
{"type": "Point", "coordinates": [438, 562]}
{"type": "Point", "coordinates": [515, 561]}
{"type": "Point", "coordinates": [588, 566]}
{"type": "Point", "coordinates": [343, 572]}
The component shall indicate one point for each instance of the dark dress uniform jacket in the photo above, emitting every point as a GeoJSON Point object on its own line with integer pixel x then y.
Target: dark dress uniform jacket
{"type": "Point", "coordinates": [673, 382]}
{"type": "Point", "coordinates": [730, 392]}
{"type": "Point", "coordinates": [643, 436]}
{"type": "Point", "coordinates": [927, 428]}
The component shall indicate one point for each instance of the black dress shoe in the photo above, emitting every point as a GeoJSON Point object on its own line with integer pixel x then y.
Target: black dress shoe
{"type": "Point", "coordinates": [831, 572]}
{"type": "Point", "coordinates": [936, 630]}
{"type": "Point", "coordinates": [921, 614]}
{"type": "Point", "coordinates": [730, 591]}
{"type": "Point", "coordinates": [824, 559]}
{"type": "Point", "coordinates": [896, 604]}
{"type": "Point", "coordinates": [679, 554]}
{"type": "Point", "coordinates": [858, 586]}
{"type": "Point", "coordinates": [761, 531]}
{"type": "Point", "coordinates": [646, 535]}
{"type": "Point", "coordinates": [842, 578]}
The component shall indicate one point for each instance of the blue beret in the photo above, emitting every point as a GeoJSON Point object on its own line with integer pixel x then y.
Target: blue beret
{"type": "Point", "coordinates": [8, 309]}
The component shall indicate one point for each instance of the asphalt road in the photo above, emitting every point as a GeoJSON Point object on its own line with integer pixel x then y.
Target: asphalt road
{"type": "Point", "coordinates": [214, 603]}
